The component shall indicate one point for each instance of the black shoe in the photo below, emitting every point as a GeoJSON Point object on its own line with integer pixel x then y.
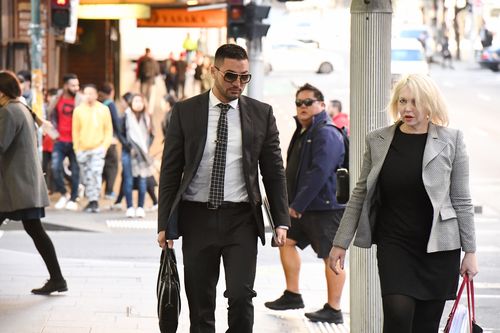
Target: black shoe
{"type": "Point", "coordinates": [327, 315]}
{"type": "Point", "coordinates": [95, 207]}
{"type": "Point", "coordinates": [92, 207]}
{"type": "Point", "coordinates": [287, 301]}
{"type": "Point", "coordinates": [50, 286]}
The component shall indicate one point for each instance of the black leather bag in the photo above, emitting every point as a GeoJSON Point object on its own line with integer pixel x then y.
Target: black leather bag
{"type": "Point", "coordinates": [168, 292]}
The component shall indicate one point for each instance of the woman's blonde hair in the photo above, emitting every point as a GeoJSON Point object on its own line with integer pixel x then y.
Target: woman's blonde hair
{"type": "Point", "coordinates": [428, 98]}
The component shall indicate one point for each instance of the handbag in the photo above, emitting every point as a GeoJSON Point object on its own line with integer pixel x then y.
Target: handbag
{"type": "Point", "coordinates": [168, 292]}
{"type": "Point", "coordinates": [462, 319]}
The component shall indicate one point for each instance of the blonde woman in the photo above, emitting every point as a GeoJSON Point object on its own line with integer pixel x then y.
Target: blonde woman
{"type": "Point", "coordinates": [412, 199]}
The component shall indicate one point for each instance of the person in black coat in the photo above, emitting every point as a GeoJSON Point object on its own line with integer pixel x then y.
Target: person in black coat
{"type": "Point", "coordinates": [23, 193]}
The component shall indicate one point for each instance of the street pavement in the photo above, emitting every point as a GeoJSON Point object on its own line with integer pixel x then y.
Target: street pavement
{"type": "Point", "coordinates": [117, 294]}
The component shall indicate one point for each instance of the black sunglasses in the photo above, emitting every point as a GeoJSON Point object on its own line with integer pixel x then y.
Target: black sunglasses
{"type": "Point", "coordinates": [231, 76]}
{"type": "Point", "coordinates": [306, 102]}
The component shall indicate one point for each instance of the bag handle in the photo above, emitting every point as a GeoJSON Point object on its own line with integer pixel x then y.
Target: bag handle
{"type": "Point", "coordinates": [470, 301]}
{"type": "Point", "coordinates": [455, 305]}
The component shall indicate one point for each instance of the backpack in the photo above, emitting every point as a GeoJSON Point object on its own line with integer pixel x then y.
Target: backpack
{"type": "Point", "coordinates": [148, 68]}
{"type": "Point", "coordinates": [345, 138]}
{"type": "Point", "coordinates": [342, 171]}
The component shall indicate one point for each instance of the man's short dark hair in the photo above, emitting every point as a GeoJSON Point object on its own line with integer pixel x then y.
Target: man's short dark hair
{"type": "Point", "coordinates": [336, 104]}
{"type": "Point", "coordinates": [69, 76]}
{"type": "Point", "coordinates": [9, 84]}
{"type": "Point", "coordinates": [107, 88]}
{"type": "Point", "coordinates": [24, 74]}
{"type": "Point", "coordinates": [308, 87]}
{"type": "Point", "coordinates": [231, 51]}
{"type": "Point", "coordinates": [90, 85]}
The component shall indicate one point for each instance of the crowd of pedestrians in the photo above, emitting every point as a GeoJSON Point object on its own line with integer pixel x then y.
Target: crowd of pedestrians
{"type": "Point", "coordinates": [88, 139]}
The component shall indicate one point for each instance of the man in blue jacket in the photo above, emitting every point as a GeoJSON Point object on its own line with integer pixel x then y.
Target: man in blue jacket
{"type": "Point", "coordinates": [315, 152]}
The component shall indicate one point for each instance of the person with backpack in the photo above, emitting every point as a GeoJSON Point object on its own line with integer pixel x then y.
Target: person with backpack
{"type": "Point", "coordinates": [315, 152]}
{"type": "Point", "coordinates": [146, 72]}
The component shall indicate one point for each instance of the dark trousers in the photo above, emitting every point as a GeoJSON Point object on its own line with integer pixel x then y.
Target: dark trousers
{"type": "Point", "coordinates": [47, 171]}
{"type": "Point", "coordinates": [209, 235]}
{"type": "Point", "coordinates": [110, 168]}
{"type": "Point", "coordinates": [44, 246]}
{"type": "Point", "coordinates": [60, 152]}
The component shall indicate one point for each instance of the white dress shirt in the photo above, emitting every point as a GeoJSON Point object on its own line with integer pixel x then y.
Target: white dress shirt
{"type": "Point", "coordinates": [234, 181]}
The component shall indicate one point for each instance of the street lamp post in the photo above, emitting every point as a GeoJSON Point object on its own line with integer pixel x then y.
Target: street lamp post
{"type": "Point", "coordinates": [36, 59]}
{"type": "Point", "coordinates": [370, 77]}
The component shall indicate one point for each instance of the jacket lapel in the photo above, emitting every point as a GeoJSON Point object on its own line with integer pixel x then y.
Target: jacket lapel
{"type": "Point", "coordinates": [200, 124]}
{"type": "Point", "coordinates": [433, 146]}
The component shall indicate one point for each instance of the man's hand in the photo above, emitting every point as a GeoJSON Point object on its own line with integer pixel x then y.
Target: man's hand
{"type": "Point", "coordinates": [280, 238]}
{"type": "Point", "coordinates": [162, 241]}
{"type": "Point", "coordinates": [293, 213]}
{"type": "Point", "coordinates": [337, 254]}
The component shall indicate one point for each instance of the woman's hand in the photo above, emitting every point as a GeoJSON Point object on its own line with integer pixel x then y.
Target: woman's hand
{"type": "Point", "coordinates": [469, 265]}
{"type": "Point", "coordinates": [337, 254]}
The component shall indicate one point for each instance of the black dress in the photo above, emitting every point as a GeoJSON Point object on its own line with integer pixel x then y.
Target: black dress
{"type": "Point", "coordinates": [403, 228]}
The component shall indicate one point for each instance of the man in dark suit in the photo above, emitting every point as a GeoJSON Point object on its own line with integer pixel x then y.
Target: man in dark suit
{"type": "Point", "coordinates": [209, 190]}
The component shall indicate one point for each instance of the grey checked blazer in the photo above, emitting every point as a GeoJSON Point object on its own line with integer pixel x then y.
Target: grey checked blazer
{"type": "Point", "coordinates": [22, 184]}
{"type": "Point", "coordinates": [445, 173]}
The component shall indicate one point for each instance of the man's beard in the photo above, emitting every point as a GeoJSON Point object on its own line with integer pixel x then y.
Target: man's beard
{"type": "Point", "coordinates": [72, 93]}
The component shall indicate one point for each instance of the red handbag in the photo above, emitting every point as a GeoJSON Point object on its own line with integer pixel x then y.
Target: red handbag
{"type": "Point", "coordinates": [473, 327]}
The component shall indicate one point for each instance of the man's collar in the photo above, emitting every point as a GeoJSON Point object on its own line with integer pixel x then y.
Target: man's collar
{"type": "Point", "coordinates": [213, 101]}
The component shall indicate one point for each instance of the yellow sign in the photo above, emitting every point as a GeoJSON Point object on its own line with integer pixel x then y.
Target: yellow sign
{"type": "Point", "coordinates": [113, 12]}
{"type": "Point", "coordinates": [163, 17]}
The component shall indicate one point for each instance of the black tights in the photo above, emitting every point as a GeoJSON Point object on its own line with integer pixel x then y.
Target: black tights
{"type": "Point", "coordinates": [44, 246]}
{"type": "Point", "coordinates": [405, 314]}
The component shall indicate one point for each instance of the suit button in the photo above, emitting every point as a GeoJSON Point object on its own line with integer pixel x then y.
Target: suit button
{"type": "Point", "coordinates": [327, 202]}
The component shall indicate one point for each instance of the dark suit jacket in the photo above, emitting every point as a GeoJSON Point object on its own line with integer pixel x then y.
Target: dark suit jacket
{"type": "Point", "coordinates": [184, 146]}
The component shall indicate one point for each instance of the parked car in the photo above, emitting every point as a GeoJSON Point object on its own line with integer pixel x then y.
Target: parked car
{"type": "Point", "coordinates": [490, 58]}
{"type": "Point", "coordinates": [296, 55]}
{"type": "Point", "coordinates": [422, 34]}
{"type": "Point", "coordinates": [407, 57]}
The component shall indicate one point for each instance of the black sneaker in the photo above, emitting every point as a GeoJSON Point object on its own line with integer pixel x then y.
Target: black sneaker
{"type": "Point", "coordinates": [92, 207]}
{"type": "Point", "coordinates": [287, 301]}
{"type": "Point", "coordinates": [327, 315]}
{"type": "Point", "coordinates": [50, 286]}
{"type": "Point", "coordinates": [95, 207]}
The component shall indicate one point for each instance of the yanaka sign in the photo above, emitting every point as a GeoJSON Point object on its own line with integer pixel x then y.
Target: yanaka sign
{"type": "Point", "coordinates": [162, 17]}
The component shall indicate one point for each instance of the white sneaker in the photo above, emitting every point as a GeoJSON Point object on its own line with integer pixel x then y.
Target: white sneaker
{"type": "Point", "coordinates": [153, 208]}
{"type": "Point", "coordinates": [130, 212]}
{"type": "Point", "coordinates": [139, 212]}
{"type": "Point", "coordinates": [71, 205]}
{"type": "Point", "coordinates": [63, 200]}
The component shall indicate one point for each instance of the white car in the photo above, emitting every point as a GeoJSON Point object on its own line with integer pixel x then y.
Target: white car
{"type": "Point", "coordinates": [407, 57]}
{"type": "Point", "coordinates": [296, 55]}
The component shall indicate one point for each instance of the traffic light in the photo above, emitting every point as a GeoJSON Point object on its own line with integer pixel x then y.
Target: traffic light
{"type": "Point", "coordinates": [60, 13]}
{"type": "Point", "coordinates": [254, 14]}
{"type": "Point", "coordinates": [236, 26]}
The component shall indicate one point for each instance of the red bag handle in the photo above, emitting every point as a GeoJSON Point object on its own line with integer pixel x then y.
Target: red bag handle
{"type": "Point", "coordinates": [470, 300]}
{"type": "Point", "coordinates": [455, 304]}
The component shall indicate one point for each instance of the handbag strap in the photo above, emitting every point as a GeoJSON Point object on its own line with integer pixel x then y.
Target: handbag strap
{"type": "Point", "coordinates": [470, 301]}
{"type": "Point", "coordinates": [457, 300]}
